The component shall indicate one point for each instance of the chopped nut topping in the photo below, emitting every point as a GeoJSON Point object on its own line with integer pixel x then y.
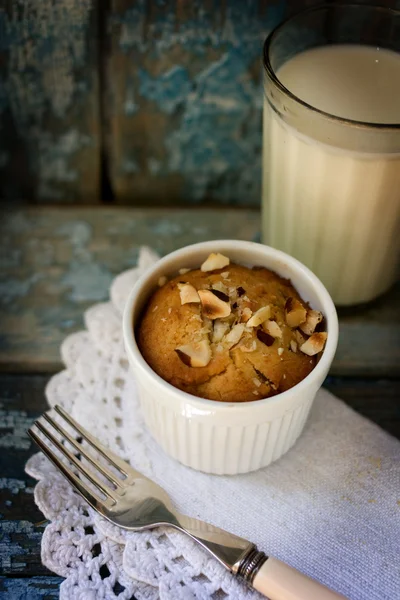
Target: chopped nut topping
{"type": "Point", "coordinates": [183, 271]}
{"type": "Point", "coordinates": [169, 310]}
{"type": "Point", "coordinates": [314, 344]}
{"type": "Point", "coordinates": [207, 326]}
{"type": "Point", "coordinates": [215, 261]}
{"type": "Point", "coordinates": [300, 338]}
{"type": "Point", "coordinates": [213, 307]}
{"type": "Point", "coordinates": [293, 346]}
{"type": "Point", "coordinates": [220, 328]}
{"type": "Point", "coordinates": [162, 280]}
{"type": "Point", "coordinates": [251, 348]}
{"type": "Point", "coordinates": [265, 338]}
{"type": "Point", "coordinates": [261, 315]}
{"type": "Point", "coordinates": [295, 312]}
{"type": "Point", "coordinates": [188, 293]}
{"type": "Point", "coordinates": [221, 295]}
{"type": "Point", "coordinates": [207, 323]}
{"type": "Point", "coordinates": [218, 285]}
{"type": "Point", "coordinates": [234, 335]}
{"type": "Point", "coordinates": [257, 382]}
{"type": "Point", "coordinates": [280, 351]}
{"type": "Point", "coordinates": [314, 317]}
{"type": "Point", "coordinates": [246, 314]}
{"type": "Point", "coordinates": [272, 328]}
{"type": "Point", "coordinates": [197, 354]}
{"type": "Point", "coordinates": [225, 275]}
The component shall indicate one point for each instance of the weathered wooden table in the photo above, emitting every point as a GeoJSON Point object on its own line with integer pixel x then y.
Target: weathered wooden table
{"type": "Point", "coordinates": [54, 263]}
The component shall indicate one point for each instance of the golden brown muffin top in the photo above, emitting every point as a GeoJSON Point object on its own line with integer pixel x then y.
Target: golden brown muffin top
{"type": "Point", "coordinates": [233, 334]}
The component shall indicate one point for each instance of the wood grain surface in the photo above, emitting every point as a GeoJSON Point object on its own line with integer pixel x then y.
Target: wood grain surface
{"type": "Point", "coordinates": [49, 101]}
{"type": "Point", "coordinates": [22, 400]}
{"type": "Point", "coordinates": [55, 263]}
{"type": "Point", "coordinates": [33, 588]}
{"type": "Point", "coordinates": [185, 96]}
{"type": "Point", "coordinates": [185, 110]}
{"type": "Point", "coordinates": [149, 102]}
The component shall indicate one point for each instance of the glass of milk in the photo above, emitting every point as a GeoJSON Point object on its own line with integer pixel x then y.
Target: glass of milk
{"type": "Point", "coordinates": [331, 146]}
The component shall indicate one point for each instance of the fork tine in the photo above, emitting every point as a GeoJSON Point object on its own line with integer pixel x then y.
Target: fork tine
{"type": "Point", "coordinates": [112, 458]}
{"type": "Point", "coordinates": [72, 458]}
{"type": "Point", "coordinates": [73, 479]}
{"type": "Point", "coordinates": [96, 464]}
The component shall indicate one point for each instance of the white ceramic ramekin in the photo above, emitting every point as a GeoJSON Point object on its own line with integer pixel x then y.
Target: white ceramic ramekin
{"type": "Point", "coordinates": [222, 437]}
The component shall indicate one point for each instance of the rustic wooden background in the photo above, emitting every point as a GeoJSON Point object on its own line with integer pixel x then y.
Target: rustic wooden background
{"type": "Point", "coordinates": [143, 103]}
{"type": "Point", "coordinates": [133, 101]}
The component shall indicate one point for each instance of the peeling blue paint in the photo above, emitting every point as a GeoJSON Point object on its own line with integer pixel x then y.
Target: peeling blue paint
{"type": "Point", "coordinates": [48, 102]}
{"type": "Point", "coordinates": [218, 145]}
{"type": "Point", "coordinates": [14, 485]}
{"type": "Point", "coordinates": [214, 140]}
{"type": "Point", "coordinates": [34, 588]}
{"type": "Point", "coordinates": [209, 86]}
{"type": "Point", "coordinates": [88, 281]}
{"type": "Point", "coordinates": [44, 45]}
{"type": "Point", "coordinates": [154, 166]}
{"type": "Point", "coordinates": [54, 161]}
{"type": "Point", "coordinates": [130, 105]}
{"type": "Point", "coordinates": [18, 223]}
{"type": "Point", "coordinates": [10, 258]}
{"type": "Point", "coordinates": [13, 427]}
{"type": "Point", "coordinates": [169, 90]}
{"type": "Point", "coordinates": [165, 228]}
{"type": "Point", "coordinates": [130, 166]}
{"type": "Point", "coordinates": [17, 539]}
{"type": "Point", "coordinates": [78, 233]}
{"type": "Point", "coordinates": [68, 323]}
{"type": "Point", "coordinates": [16, 288]}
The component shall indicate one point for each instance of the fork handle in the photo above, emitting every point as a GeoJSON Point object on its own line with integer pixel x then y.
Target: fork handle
{"type": "Point", "coordinates": [278, 581]}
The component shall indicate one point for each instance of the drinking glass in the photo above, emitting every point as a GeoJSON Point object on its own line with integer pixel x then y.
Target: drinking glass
{"type": "Point", "coordinates": [331, 183]}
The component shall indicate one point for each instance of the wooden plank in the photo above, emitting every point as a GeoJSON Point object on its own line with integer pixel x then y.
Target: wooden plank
{"type": "Point", "coordinates": [49, 116]}
{"type": "Point", "coordinates": [34, 588]}
{"type": "Point", "coordinates": [57, 262]}
{"type": "Point", "coordinates": [22, 400]}
{"type": "Point", "coordinates": [185, 110]}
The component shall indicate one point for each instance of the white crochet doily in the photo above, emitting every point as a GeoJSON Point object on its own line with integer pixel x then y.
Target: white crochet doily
{"type": "Point", "coordinates": [309, 509]}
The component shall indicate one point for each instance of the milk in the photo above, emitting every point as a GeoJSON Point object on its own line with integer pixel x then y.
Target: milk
{"type": "Point", "coordinates": [331, 192]}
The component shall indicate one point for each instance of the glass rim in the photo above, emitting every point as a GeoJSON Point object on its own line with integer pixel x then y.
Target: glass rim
{"type": "Point", "coordinates": [274, 78]}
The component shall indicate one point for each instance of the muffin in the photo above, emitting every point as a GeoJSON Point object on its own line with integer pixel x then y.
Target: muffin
{"type": "Point", "coordinates": [230, 333]}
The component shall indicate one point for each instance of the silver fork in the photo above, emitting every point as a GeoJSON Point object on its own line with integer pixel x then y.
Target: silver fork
{"type": "Point", "coordinates": [132, 501]}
